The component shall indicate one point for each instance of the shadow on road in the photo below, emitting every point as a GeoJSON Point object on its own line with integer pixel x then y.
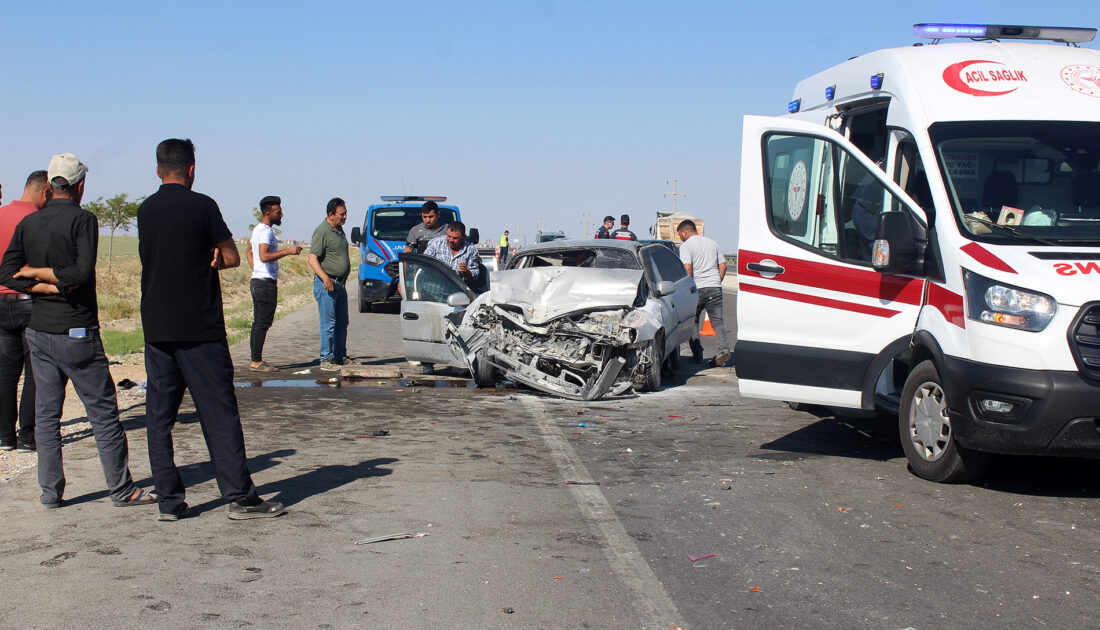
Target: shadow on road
{"type": "Point", "coordinates": [864, 438]}
{"type": "Point", "coordinates": [320, 480]}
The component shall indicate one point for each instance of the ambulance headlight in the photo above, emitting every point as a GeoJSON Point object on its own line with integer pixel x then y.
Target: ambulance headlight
{"type": "Point", "coordinates": [372, 258]}
{"type": "Point", "coordinates": [1002, 304]}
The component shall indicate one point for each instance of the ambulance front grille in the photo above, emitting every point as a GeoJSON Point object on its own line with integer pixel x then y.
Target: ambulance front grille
{"type": "Point", "coordinates": [1084, 341]}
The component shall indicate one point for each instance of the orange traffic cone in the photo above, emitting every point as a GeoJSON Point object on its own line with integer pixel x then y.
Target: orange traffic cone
{"type": "Point", "coordinates": [707, 330]}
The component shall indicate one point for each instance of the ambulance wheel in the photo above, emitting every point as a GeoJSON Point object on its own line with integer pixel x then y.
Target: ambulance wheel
{"type": "Point", "coordinates": [926, 435]}
{"type": "Point", "coordinates": [650, 379]}
{"type": "Point", "coordinates": [484, 374]}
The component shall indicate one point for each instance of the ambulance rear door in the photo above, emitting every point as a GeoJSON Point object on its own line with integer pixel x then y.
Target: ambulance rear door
{"type": "Point", "coordinates": [815, 322]}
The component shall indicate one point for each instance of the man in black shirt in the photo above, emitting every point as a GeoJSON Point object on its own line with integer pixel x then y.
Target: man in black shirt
{"type": "Point", "coordinates": [183, 243]}
{"type": "Point", "coordinates": [52, 256]}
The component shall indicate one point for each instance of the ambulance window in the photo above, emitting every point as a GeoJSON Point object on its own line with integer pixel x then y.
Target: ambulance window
{"type": "Point", "coordinates": [818, 192]}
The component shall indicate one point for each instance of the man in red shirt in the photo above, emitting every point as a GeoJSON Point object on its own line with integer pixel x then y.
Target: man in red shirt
{"type": "Point", "coordinates": [15, 314]}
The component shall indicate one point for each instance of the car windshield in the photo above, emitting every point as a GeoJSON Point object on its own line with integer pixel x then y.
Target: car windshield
{"type": "Point", "coordinates": [393, 224]}
{"type": "Point", "coordinates": [1022, 182]}
{"type": "Point", "coordinates": [594, 257]}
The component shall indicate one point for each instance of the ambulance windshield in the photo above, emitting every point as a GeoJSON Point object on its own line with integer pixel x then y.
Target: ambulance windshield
{"type": "Point", "coordinates": [1022, 182]}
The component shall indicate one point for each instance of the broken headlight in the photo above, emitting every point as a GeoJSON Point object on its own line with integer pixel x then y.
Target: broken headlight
{"type": "Point", "coordinates": [633, 319]}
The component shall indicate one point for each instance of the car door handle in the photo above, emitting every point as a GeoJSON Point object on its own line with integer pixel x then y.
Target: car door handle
{"type": "Point", "coordinates": [409, 316]}
{"type": "Point", "coordinates": [765, 266]}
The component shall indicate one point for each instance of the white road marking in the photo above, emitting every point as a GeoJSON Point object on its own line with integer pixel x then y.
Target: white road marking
{"type": "Point", "coordinates": [653, 605]}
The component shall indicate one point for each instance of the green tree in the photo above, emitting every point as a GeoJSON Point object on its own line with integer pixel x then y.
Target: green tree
{"type": "Point", "coordinates": [116, 213]}
{"type": "Point", "coordinates": [259, 216]}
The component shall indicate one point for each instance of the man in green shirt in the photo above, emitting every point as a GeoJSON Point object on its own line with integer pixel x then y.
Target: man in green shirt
{"type": "Point", "coordinates": [328, 257]}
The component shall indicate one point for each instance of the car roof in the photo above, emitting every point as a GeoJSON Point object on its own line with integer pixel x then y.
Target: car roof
{"type": "Point", "coordinates": [605, 243]}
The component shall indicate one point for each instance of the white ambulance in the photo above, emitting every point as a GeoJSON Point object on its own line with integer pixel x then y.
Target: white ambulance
{"type": "Point", "coordinates": [921, 235]}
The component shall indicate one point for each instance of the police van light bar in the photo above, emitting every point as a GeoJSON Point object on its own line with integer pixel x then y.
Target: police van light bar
{"type": "Point", "coordinates": [400, 198]}
{"type": "Point", "coordinates": [794, 105]}
{"type": "Point", "coordinates": [876, 81]}
{"type": "Point", "coordinates": [1066, 34]}
{"type": "Point", "coordinates": [830, 92]}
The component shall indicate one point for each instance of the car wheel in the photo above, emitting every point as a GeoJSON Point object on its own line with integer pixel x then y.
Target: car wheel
{"type": "Point", "coordinates": [483, 373]}
{"type": "Point", "coordinates": [364, 306]}
{"type": "Point", "coordinates": [650, 378]}
{"type": "Point", "coordinates": [926, 434]}
{"type": "Point", "coordinates": [671, 363]}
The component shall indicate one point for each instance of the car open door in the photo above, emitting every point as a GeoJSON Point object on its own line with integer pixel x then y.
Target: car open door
{"type": "Point", "coordinates": [815, 322]}
{"type": "Point", "coordinates": [431, 291]}
{"type": "Point", "coordinates": [665, 266]}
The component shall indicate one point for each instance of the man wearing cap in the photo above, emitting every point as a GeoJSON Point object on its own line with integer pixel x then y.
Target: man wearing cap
{"type": "Point", "coordinates": [605, 229]}
{"type": "Point", "coordinates": [15, 314]}
{"type": "Point", "coordinates": [52, 255]}
{"type": "Point", "coordinates": [624, 233]}
{"type": "Point", "coordinates": [183, 243]}
{"type": "Point", "coordinates": [429, 228]}
{"type": "Point", "coordinates": [263, 256]}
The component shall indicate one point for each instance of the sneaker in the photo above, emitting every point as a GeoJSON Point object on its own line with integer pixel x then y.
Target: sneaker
{"type": "Point", "coordinates": [722, 358]}
{"type": "Point", "coordinates": [264, 366]}
{"type": "Point", "coordinates": [347, 361]}
{"type": "Point", "coordinates": [7, 447]}
{"type": "Point", "coordinates": [181, 512]}
{"type": "Point", "coordinates": [26, 448]}
{"type": "Point", "coordinates": [328, 365]}
{"type": "Point", "coordinates": [267, 509]}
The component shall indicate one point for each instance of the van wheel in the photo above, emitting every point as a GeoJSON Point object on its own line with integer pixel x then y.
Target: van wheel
{"type": "Point", "coordinates": [926, 434]}
{"type": "Point", "coordinates": [364, 306]}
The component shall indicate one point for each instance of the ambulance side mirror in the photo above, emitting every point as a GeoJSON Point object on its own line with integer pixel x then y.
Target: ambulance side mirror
{"type": "Point", "coordinates": [899, 244]}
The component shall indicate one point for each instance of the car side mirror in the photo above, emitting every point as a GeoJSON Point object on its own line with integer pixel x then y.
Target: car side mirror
{"type": "Point", "coordinates": [664, 287]}
{"type": "Point", "coordinates": [458, 299]}
{"type": "Point", "coordinates": [899, 244]}
{"type": "Point", "coordinates": [475, 236]}
{"type": "Point", "coordinates": [356, 235]}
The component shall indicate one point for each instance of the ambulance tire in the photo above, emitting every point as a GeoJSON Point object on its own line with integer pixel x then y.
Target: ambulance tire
{"type": "Point", "coordinates": [926, 435]}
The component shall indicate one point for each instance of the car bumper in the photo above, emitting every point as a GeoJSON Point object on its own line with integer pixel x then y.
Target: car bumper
{"type": "Point", "coordinates": [1054, 412]}
{"type": "Point", "coordinates": [374, 290]}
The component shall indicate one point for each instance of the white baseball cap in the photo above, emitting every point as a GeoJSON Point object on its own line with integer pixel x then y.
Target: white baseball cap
{"type": "Point", "coordinates": [67, 167]}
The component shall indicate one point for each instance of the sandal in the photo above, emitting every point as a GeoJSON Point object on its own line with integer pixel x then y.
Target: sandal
{"type": "Point", "coordinates": [139, 497]}
{"type": "Point", "coordinates": [264, 366]}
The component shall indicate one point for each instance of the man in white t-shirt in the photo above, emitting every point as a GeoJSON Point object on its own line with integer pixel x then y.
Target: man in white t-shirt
{"type": "Point", "coordinates": [263, 256]}
{"type": "Point", "coordinates": [704, 262]}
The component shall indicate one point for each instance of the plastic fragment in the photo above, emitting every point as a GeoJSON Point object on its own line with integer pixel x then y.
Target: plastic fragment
{"type": "Point", "coordinates": [842, 509]}
{"type": "Point", "coordinates": [677, 417]}
{"type": "Point", "coordinates": [508, 611]}
{"type": "Point", "coordinates": [305, 371]}
{"type": "Point", "coordinates": [581, 424]}
{"type": "Point", "coordinates": [696, 557]}
{"type": "Point", "coordinates": [756, 589]}
{"type": "Point", "coordinates": [367, 541]}
{"type": "Point", "coordinates": [558, 578]}
{"type": "Point", "coordinates": [582, 483]}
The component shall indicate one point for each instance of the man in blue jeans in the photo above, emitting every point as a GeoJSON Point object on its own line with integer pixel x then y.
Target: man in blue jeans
{"type": "Point", "coordinates": [331, 264]}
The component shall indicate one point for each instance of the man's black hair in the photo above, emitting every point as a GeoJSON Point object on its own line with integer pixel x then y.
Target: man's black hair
{"type": "Point", "coordinates": [609, 218]}
{"type": "Point", "coordinates": [175, 155]}
{"type": "Point", "coordinates": [269, 202]}
{"type": "Point", "coordinates": [37, 179]}
{"type": "Point", "coordinates": [333, 204]}
{"type": "Point", "coordinates": [429, 206]}
{"type": "Point", "coordinates": [625, 219]}
{"type": "Point", "coordinates": [457, 226]}
{"type": "Point", "coordinates": [687, 224]}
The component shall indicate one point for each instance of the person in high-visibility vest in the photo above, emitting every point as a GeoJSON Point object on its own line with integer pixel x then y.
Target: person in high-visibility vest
{"type": "Point", "coordinates": [502, 254]}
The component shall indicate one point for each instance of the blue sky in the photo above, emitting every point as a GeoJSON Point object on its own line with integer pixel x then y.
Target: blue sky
{"type": "Point", "coordinates": [514, 110]}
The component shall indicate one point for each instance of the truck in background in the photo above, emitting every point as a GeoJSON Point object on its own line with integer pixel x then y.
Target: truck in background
{"type": "Point", "coordinates": [667, 222]}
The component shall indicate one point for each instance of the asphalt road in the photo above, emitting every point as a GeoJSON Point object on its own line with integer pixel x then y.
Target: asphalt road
{"type": "Point", "coordinates": [543, 513]}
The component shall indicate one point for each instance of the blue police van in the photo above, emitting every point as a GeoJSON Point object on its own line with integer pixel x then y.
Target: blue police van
{"type": "Point", "coordinates": [382, 238]}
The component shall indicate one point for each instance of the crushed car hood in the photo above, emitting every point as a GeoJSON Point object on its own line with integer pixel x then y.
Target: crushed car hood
{"type": "Point", "coordinates": [546, 293]}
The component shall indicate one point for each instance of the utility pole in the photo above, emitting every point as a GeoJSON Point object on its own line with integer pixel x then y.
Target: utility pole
{"type": "Point", "coordinates": [538, 222]}
{"type": "Point", "coordinates": [674, 193]}
{"type": "Point", "coordinates": [587, 221]}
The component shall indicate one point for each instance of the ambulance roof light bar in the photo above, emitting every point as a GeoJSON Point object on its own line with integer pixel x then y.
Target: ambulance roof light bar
{"type": "Point", "coordinates": [403, 198]}
{"type": "Point", "coordinates": [1064, 34]}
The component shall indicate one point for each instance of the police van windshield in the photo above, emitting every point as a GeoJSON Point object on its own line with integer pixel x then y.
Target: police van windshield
{"type": "Point", "coordinates": [393, 224]}
{"type": "Point", "coordinates": [1022, 182]}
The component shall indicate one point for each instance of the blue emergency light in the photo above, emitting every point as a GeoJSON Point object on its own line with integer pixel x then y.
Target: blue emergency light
{"type": "Point", "coordinates": [1064, 34]}
{"type": "Point", "coordinates": [876, 82]}
{"type": "Point", "coordinates": [404, 198]}
{"type": "Point", "coordinates": [794, 105]}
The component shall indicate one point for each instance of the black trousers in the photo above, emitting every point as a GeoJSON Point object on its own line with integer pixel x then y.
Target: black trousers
{"type": "Point", "coordinates": [15, 360]}
{"type": "Point", "coordinates": [207, 371]}
{"type": "Point", "coordinates": [265, 295]}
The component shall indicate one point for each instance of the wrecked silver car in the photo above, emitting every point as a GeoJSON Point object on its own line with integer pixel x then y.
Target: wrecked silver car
{"type": "Point", "coordinates": [578, 319]}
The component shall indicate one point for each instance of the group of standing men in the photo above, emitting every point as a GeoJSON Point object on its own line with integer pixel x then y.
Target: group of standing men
{"type": "Point", "coordinates": [183, 243]}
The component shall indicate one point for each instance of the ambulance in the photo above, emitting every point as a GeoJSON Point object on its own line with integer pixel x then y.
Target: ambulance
{"type": "Point", "coordinates": [920, 238]}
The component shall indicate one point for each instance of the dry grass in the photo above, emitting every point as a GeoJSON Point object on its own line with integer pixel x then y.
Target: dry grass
{"type": "Point", "coordinates": [119, 294]}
